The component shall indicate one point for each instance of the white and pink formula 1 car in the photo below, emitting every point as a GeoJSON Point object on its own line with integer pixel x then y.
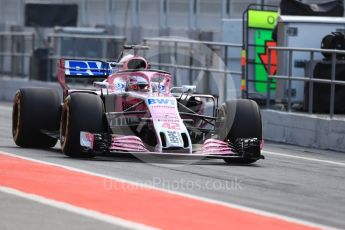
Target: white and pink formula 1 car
{"type": "Point", "coordinates": [134, 109]}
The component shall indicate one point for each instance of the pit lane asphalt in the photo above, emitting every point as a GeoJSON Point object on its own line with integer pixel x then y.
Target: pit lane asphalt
{"type": "Point", "coordinates": [302, 183]}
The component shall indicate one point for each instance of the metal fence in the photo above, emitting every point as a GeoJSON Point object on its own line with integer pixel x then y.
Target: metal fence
{"type": "Point", "coordinates": [20, 58]}
{"type": "Point", "coordinates": [16, 49]}
{"type": "Point", "coordinates": [309, 77]}
{"type": "Point", "coordinates": [208, 65]}
{"type": "Point", "coordinates": [205, 64]}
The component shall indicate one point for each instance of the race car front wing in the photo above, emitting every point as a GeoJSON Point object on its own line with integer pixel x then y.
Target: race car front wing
{"type": "Point", "coordinates": [107, 143]}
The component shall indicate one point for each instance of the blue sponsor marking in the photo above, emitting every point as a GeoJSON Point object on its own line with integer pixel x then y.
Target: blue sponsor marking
{"type": "Point", "coordinates": [120, 86]}
{"type": "Point", "coordinates": [87, 68]}
{"type": "Point", "coordinates": [161, 101]}
{"type": "Point", "coordinates": [162, 88]}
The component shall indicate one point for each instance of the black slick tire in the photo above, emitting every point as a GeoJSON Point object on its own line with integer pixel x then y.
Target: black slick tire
{"type": "Point", "coordinates": [35, 110]}
{"type": "Point", "coordinates": [80, 112]}
{"type": "Point", "coordinates": [240, 119]}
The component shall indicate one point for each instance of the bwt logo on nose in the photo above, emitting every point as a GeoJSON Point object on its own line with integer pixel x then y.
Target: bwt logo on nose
{"type": "Point", "coordinates": [161, 101]}
{"type": "Point", "coordinates": [88, 68]}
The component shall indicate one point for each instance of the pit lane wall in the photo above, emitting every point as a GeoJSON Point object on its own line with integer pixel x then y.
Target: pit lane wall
{"type": "Point", "coordinates": [9, 86]}
{"type": "Point", "coordinates": [315, 131]}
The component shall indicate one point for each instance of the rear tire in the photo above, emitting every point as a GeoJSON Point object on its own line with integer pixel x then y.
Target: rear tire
{"type": "Point", "coordinates": [81, 112]}
{"type": "Point", "coordinates": [240, 119]}
{"type": "Point", "coordinates": [34, 110]}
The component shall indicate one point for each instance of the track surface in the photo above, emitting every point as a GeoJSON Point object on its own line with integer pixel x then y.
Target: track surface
{"type": "Point", "coordinates": [296, 182]}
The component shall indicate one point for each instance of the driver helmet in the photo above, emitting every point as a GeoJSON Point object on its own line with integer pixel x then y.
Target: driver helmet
{"type": "Point", "coordinates": [137, 83]}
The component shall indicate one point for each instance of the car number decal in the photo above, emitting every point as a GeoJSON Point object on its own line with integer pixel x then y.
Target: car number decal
{"type": "Point", "coordinates": [173, 137]}
{"type": "Point", "coordinates": [171, 125]}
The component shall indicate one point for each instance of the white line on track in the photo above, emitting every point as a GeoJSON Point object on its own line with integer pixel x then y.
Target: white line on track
{"type": "Point", "coordinates": [194, 197]}
{"type": "Point", "coordinates": [81, 211]}
{"type": "Point", "coordinates": [304, 158]}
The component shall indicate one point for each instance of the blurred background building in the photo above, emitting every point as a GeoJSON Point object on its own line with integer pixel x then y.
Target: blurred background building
{"type": "Point", "coordinates": [134, 19]}
{"type": "Point", "coordinates": [34, 34]}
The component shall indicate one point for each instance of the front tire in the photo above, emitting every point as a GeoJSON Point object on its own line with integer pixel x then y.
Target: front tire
{"type": "Point", "coordinates": [240, 119]}
{"type": "Point", "coordinates": [81, 112]}
{"type": "Point", "coordinates": [34, 110]}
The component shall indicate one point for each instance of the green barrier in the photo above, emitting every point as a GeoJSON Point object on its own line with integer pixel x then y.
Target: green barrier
{"type": "Point", "coordinates": [262, 23]}
{"type": "Point", "coordinates": [262, 19]}
{"type": "Point", "coordinates": [260, 39]}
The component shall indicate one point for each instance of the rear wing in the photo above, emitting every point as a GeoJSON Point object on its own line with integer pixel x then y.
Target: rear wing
{"type": "Point", "coordinates": [84, 69]}
{"type": "Point", "coordinates": [76, 68]}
